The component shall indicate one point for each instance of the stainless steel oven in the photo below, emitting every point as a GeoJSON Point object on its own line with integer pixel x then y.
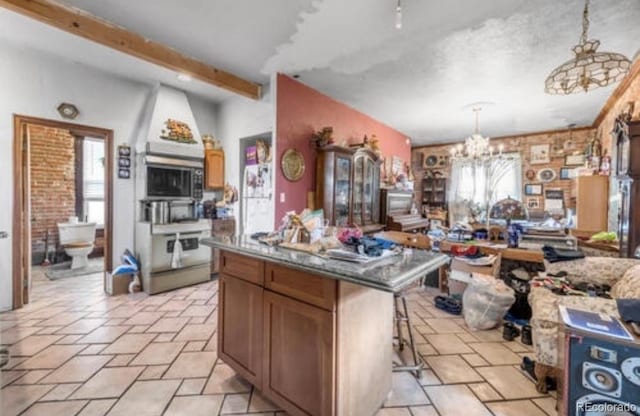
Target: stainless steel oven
{"type": "Point", "coordinates": [173, 179]}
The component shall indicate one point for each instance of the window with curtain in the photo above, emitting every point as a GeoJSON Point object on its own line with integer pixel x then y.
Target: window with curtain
{"type": "Point", "coordinates": [473, 185]}
{"type": "Point", "coordinates": [93, 180]}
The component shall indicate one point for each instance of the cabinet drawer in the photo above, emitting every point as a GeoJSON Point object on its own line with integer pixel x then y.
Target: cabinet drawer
{"type": "Point", "coordinates": [309, 288]}
{"type": "Point", "coordinates": [245, 268]}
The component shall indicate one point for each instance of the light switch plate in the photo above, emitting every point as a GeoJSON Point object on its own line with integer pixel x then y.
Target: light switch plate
{"type": "Point", "coordinates": [281, 196]}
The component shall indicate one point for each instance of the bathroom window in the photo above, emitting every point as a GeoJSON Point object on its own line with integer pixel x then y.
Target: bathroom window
{"type": "Point", "coordinates": [93, 180]}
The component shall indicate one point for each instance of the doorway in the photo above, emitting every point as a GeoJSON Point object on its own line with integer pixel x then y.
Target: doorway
{"type": "Point", "coordinates": [63, 197]}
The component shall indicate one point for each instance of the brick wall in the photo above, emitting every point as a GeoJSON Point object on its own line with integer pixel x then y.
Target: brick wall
{"type": "Point", "coordinates": [522, 144]}
{"type": "Point", "coordinates": [52, 160]}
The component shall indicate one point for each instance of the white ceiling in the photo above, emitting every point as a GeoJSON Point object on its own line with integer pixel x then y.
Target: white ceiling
{"type": "Point", "coordinates": [420, 79]}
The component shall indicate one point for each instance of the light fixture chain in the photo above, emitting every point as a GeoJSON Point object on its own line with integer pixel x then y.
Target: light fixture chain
{"type": "Point", "coordinates": [585, 23]}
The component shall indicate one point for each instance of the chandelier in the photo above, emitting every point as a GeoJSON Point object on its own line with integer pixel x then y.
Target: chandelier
{"type": "Point", "coordinates": [476, 147]}
{"type": "Point", "coordinates": [589, 69]}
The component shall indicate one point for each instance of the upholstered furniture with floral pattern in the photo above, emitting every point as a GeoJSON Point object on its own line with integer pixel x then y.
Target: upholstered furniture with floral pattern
{"type": "Point", "coordinates": [623, 275]}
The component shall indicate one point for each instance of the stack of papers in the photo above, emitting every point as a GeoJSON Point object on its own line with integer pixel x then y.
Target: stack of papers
{"type": "Point", "coordinates": [595, 323]}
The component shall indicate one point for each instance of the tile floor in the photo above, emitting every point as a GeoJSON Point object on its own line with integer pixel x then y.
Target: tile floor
{"type": "Point", "coordinates": [76, 351]}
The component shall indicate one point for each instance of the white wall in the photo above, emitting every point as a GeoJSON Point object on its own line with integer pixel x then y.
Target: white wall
{"type": "Point", "coordinates": [33, 83]}
{"type": "Point", "coordinates": [240, 117]}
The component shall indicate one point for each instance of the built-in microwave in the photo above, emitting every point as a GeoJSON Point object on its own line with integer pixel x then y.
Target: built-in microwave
{"type": "Point", "coordinates": [173, 179]}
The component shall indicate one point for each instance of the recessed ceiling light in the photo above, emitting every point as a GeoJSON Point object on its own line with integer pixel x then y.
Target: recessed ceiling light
{"type": "Point", "coordinates": [184, 77]}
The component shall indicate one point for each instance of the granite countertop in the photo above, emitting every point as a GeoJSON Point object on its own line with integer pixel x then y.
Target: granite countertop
{"type": "Point", "coordinates": [389, 274]}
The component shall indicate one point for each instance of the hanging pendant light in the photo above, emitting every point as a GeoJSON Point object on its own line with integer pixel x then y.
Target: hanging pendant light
{"type": "Point", "coordinates": [589, 69]}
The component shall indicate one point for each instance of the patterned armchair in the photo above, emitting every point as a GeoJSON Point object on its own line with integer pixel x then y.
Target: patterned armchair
{"type": "Point", "coordinates": [623, 275]}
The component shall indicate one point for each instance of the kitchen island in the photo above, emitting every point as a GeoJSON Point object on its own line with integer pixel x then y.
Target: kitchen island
{"type": "Point", "coordinates": [313, 334]}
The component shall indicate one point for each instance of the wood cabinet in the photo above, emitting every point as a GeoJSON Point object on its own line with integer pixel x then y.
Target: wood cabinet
{"type": "Point", "coordinates": [347, 186]}
{"type": "Point", "coordinates": [592, 203]}
{"type": "Point", "coordinates": [626, 135]}
{"type": "Point", "coordinates": [214, 169]}
{"type": "Point", "coordinates": [312, 345]}
{"type": "Point", "coordinates": [223, 227]}
{"type": "Point", "coordinates": [434, 192]}
{"type": "Point", "coordinates": [240, 323]}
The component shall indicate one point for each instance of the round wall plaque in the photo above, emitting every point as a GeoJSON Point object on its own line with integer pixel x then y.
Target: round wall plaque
{"type": "Point", "coordinates": [292, 165]}
{"type": "Point", "coordinates": [546, 175]}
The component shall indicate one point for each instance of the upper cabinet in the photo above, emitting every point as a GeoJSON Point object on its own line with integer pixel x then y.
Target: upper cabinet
{"type": "Point", "coordinates": [214, 169]}
{"type": "Point", "coordinates": [347, 186]}
{"type": "Point", "coordinates": [627, 141]}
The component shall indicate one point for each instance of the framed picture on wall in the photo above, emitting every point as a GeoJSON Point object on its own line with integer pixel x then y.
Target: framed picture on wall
{"type": "Point", "coordinates": [533, 189]}
{"type": "Point", "coordinates": [574, 160]}
{"type": "Point", "coordinates": [533, 203]}
{"type": "Point", "coordinates": [567, 173]}
{"type": "Point", "coordinates": [540, 154]}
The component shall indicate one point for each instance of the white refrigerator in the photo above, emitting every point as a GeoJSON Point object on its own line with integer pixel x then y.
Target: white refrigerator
{"type": "Point", "coordinates": [257, 199]}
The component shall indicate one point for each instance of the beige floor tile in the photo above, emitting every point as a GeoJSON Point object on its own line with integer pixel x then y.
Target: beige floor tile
{"type": "Point", "coordinates": [93, 349]}
{"type": "Point", "coordinates": [448, 344]}
{"type": "Point", "coordinates": [452, 369]}
{"type": "Point", "coordinates": [224, 380]}
{"type": "Point", "coordinates": [33, 344]}
{"type": "Point", "coordinates": [62, 319]}
{"type": "Point", "coordinates": [126, 311]}
{"type": "Point", "coordinates": [145, 398]}
{"type": "Point", "coordinates": [485, 392]}
{"type": "Point", "coordinates": [195, 406]}
{"type": "Point", "coordinates": [55, 408]}
{"type": "Point", "coordinates": [168, 325]}
{"type": "Point", "coordinates": [144, 318]}
{"type": "Point", "coordinates": [97, 407]}
{"type": "Point", "coordinates": [175, 305]}
{"type": "Point", "coordinates": [153, 372]}
{"type": "Point", "coordinates": [60, 392]}
{"type": "Point", "coordinates": [456, 400]}
{"type": "Point", "coordinates": [198, 310]}
{"type": "Point", "coordinates": [192, 364]}
{"type": "Point", "coordinates": [33, 377]}
{"type": "Point", "coordinates": [78, 369]}
{"type": "Point", "coordinates": [428, 378]}
{"type": "Point", "coordinates": [51, 357]}
{"type": "Point", "coordinates": [191, 386]}
{"type": "Point", "coordinates": [444, 326]}
{"type": "Point", "coordinates": [16, 333]}
{"type": "Point", "coordinates": [517, 346]}
{"type": "Point", "coordinates": [121, 360]}
{"type": "Point", "coordinates": [259, 403]}
{"type": "Point", "coordinates": [235, 403]}
{"type": "Point", "coordinates": [158, 353]}
{"type": "Point", "coordinates": [108, 383]}
{"type": "Point", "coordinates": [405, 391]}
{"type": "Point", "coordinates": [194, 346]}
{"type": "Point", "coordinates": [15, 399]}
{"type": "Point", "coordinates": [104, 335]}
{"type": "Point", "coordinates": [138, 329]}
{"type": "Point", "coordinates": [165, 337]}
{"type": "Point", "coordinates": [496, 353]}
{"type": "Point", "coordinates": [394, 411]}
{"type": "Point", "coordinates": [491, 335]}
{"type": "Point", "coordinates": [475, 360]}
{"type": "Point", "coordinates": [548, 405]}
{"type": "Point", "coordinates": [509, 382]}
{"type": "Point", "coordinates": [200, 332]}
{"type": "Point", "coordinates": [426, 349]}
{"type": "Point", "coordinates": [129, 344]}
{"type": "Point", "coordinates": [467, 337]}
{"type": "Point", "coordinates": [423, 411]}
{"type": "Point", "coordinates": [515, 408]}
{"type": "Point", "coordinates": [8, 377]}
{"type": "Point", "coordinates": [197, 320]}
{"type": "Point", "coordinates": [68, 339]}
{"type": "Point", "coordinates": [82, 326]}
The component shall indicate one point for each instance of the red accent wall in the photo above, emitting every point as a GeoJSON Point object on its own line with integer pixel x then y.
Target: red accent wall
{"type": "Point", "coordinates": [300, 111]}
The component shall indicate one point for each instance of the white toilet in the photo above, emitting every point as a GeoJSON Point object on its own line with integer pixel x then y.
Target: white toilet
{"type": "Point", "coordinates": [77, 238]}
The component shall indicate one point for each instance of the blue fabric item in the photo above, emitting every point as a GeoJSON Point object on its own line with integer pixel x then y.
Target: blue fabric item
{"type": "Point", "coordinates": [385, 244]}
{"type": "Point", "coordinates": [511, 318]}
{"type": "Point", "coordinates": [124, 269]}
{"type": "Point", "coordinates": [629, 309]}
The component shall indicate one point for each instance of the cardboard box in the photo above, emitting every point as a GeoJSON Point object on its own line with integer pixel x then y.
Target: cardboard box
{"type": "Point", "coordinates": [117, 285]}
{"type": "Point", "coordinates": [461, 273]}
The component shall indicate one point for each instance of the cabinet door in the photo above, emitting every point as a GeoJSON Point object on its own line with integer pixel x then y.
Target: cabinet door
{"type": "Point", "coordinates": [370, 191]}
{"type": "Point", "coordinates": [240, 324]}
{"type": "Point", "coordinates": [299, 355]}
{"type": "Point", "coordinates": [358, 187]}
{"type": "Point", "coordinates": [342, 189]}
{"type": "Point", "coordinates": [214, 169]}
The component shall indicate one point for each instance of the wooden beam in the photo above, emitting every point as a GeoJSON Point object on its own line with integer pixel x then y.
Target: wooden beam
{"type": "Point", "coordinates": [85, 25]}
{"type": "Point", "coordinates": [634, 73]}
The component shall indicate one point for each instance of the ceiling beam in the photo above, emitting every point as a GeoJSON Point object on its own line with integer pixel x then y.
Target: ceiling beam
{"type": "Point", "coordinates": [634, 72]}
{"type": "Point", "coordinates": [90, 27]}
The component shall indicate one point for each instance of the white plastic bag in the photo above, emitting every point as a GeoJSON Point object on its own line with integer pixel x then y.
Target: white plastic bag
{"type": "Point", "coordinates": [486, 301]}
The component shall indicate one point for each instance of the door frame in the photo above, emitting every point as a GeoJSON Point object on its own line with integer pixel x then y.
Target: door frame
{"type": "Point", "coordinates": [21, 244]}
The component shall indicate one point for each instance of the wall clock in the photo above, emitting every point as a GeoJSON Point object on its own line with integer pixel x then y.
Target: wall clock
{"type": "Point", "coordinates": [546, 175]}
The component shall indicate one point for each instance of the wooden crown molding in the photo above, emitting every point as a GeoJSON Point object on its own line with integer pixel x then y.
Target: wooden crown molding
{"type": "Point", "coordinates": [615, 96]}
{"type": "Point", "coordinates": [85, 25]}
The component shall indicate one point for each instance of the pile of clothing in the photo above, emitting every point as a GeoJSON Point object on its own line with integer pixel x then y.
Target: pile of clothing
{"type": "Point", "coordinates": [560, 285]}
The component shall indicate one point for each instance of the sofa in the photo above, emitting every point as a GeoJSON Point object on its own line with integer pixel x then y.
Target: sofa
{"type": "Point", "coordinates": [623, 275]}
